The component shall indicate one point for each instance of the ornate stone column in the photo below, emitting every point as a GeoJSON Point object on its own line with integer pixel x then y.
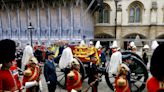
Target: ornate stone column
{"type": "Point", "coordinates": [153, 21]}
{"type": "Point", "coordinates": [119, 26]}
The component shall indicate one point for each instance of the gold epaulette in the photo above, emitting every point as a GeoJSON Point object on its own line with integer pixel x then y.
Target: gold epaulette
{"type": "Point", "coordinates": [27, 72]}
{"type": "Point", "coordinates": [121, 82]}
{"type": "Point", "coordinates": [71, 75]}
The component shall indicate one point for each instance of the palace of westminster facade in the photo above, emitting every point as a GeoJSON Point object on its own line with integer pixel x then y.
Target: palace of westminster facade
{"type": "Point", "coordinates": [74, 20]}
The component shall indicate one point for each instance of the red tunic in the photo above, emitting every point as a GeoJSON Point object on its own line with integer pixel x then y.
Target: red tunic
{"type": "Point", "coordinates": [15, 74]}
{"type": "Point", "coordinates": [34, 76]}
{"type": "Point", "coordinates": [153, 85]}
{"type": "Point", "coordinates": [36, 47]}
{"type": "Point", "coordinates": [7, 81]}
{"type": "Point", "coordinates": [122, 89]}
{"type": "Point", "coordinates": [75, 83]}
{"type": "Point", "coordinates": [42, 48]}
{"type": "Point", "coordinates": [99, 52]}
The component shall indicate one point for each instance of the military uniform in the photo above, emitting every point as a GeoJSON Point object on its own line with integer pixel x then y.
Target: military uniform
{"type": "Point", "coordinates": [121, 82]}
{"type": "Point", "coordinates": [74, 81]}
{"type": "Point", "coordinates": [121, 85]}
{"type": "Point", "coordinates": [153, 85]}
{"type": "Point", "coordinates": [7, 55]}
{"type": "Point", "coordinates": [7, 81]}
{"type": "Point", "coordinates": [32, 74]}
{"type": "Point", "coordinates": [15, 74]}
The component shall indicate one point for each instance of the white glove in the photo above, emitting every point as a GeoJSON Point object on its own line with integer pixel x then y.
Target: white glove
{"type": "Point", "coordinates": [48, 82]}
{"type": "Point", "coordinates": [73, 90]}
{"type": "Point", "coordinates": [31, 84]}
{"type": "Point", "coordinates": [40, 86]}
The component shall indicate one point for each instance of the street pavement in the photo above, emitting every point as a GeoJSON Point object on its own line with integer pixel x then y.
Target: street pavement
{"type": "Point", "coordinates": [103, 87]}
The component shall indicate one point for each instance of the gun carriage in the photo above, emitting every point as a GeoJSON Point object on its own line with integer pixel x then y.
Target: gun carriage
{"type": "Point", "coordinates": [138, 70]}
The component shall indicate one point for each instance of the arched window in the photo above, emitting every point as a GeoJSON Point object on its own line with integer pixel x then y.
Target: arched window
{"type": "Point", "coordinates": [135, 12]}
{"type": "Point", "coordinates": [104, 15]}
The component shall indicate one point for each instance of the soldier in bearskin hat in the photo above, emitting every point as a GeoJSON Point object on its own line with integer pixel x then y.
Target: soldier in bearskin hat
{"type": "Point", "coordinates": [156, 82]}
{"type": "Point", "coordinates": [7, 55]}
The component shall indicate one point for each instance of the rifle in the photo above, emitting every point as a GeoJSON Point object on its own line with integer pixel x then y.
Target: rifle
{"type": "Point", "coordinates": [92, 83]}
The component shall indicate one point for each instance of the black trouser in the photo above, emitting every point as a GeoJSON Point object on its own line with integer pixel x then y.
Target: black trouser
{"type": "Point", "coordinates": [51, 87]}
{"type": "Point", "coordinates": [34, 89]}
{"type": "Point", "coordinates": [128, 78]}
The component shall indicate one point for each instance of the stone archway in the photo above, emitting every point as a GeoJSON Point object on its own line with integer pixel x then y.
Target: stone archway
{"type": "Point", "coordinates": [103, 35]}
{"type": "Point", "coordinates": [132, 36]}
{"type": "Point", "coordinates": [137, 38]}
{"type": "Point", "coordinates": [160, 39]}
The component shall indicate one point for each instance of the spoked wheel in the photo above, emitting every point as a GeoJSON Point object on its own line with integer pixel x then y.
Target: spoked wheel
{"type": "Point", "coordinates": [61, 74]}
{"type": "Point", "coordinates": [133, 54]}
{"type": "Point", "coordinates": [138, 74]}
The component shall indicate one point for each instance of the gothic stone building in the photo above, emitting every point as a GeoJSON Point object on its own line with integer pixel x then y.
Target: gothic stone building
{"type": "Point", "coordinates": [144, 18]}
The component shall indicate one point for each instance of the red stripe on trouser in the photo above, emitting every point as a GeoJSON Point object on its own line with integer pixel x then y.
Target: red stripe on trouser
{"type": "Point", "coordinates": [94, 89]}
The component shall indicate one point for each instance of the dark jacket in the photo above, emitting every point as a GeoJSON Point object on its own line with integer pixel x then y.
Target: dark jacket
{"type": "Point", "coordinates": [145, 58]}
{"type": "Point", "coordinates": [93, 72]}
{"type": "Point", "coordinates": [103, 57]}
{"type": "Point", "coordinates": [50, 72]}
{"type": "Point", "coordinates": [38, 55]}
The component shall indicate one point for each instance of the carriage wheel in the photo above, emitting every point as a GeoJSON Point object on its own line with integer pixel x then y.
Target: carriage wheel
{"type": "Point", "coordinates": [138, 75]}
{"type": "Point", "coordinates": [133, 54]}
{"type": "Point", "coordinates": [61, 74]}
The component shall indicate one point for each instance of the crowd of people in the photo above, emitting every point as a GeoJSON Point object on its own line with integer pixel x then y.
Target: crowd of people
{"type": "Point", "coordinates": [28, 62]}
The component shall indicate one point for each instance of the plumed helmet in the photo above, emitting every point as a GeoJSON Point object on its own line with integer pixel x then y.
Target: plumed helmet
{"type": "Point", "coordinates": [134, 47]}
{"type": "Point", "coordinates": [114, 45]}
{"type": "Point", "coordinates": [132, 44]}
{"type": "Point", "coordinates": [157, 63]}
{"type": "Point", "coordinates": [27, 54]}
{"type": "Point", "coordinates": [75, 62]}
{"type": "Point", "coordinates": [146, 46]}
{"type": "Point", "coordinates": [154, 45]}
{"type": "Point", "coordinates": [7, 50]}
{"type": "Point", "coordinates": [91, 43]}
{"type": "Point", "coordinates": [97, 44]}
{"type": "Point", "coordinates": [33, 60]}
{"type": "Point", "coordinates": [82, 43]}
{"type": "Point", "coordinates": [125, 66]}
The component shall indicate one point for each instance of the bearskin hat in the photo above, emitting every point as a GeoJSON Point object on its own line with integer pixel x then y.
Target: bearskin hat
{"type": "Point", "coordinates": [7, 50]}
{"type": "Point", "coordinates": [157, 63]}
